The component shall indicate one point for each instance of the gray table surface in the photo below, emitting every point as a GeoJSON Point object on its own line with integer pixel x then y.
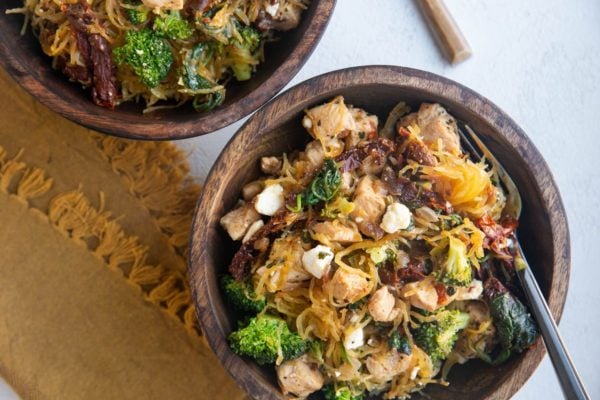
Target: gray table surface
{"type": "Point", "coordinates": [539, 60]}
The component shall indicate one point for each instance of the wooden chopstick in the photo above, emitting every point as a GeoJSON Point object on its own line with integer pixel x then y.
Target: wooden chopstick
{"type": "Point", "coordinates": [448, 35]}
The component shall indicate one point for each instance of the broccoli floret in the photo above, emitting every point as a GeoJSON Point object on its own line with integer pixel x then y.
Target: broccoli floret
{"type": "Point", "coordinates": [437, 337]}
{"type": "Point", "coordinates": [241, 295]}
{"type": "Point", "coordinates": [455, 268]}
{"type": "Point", "coordinates": [250, 40]}
{"type": "Point", "coordinates": [400, 343]}
{"type": "Point", "coordinates": [148, 55]}
{"type": "Point", "coordinates": [341, 393]}
{"type": "Point", "coordinates": [263, 337]}
{"type": "Point", "coordinates": [316, 349]}
{"type": "Point", "coordinates": [172, 26]}
{"type": "Point", "coordinates": [137, 15]}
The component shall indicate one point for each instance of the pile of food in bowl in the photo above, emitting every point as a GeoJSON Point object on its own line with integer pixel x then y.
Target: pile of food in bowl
{"type": "Point", "coordinates": [163, 52]}
{"type": "Point", "coordinates": [375, 259]}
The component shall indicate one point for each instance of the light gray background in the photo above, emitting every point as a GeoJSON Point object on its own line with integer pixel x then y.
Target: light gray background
{"type": "Point", "coordinates": [539, 60]}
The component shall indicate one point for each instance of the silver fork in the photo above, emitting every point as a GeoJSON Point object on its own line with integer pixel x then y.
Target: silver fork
{"type": "Point", "coordinates": [571, 383]}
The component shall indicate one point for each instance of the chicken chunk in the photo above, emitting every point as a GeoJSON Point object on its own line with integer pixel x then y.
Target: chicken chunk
{"type": "Point", "coordinates": [471, 292]}
{"type": "Point", "coordinates": [348, 287]}
{"type": "Point", "coordinates": [382, 305]}
{"type": "Point", "coordinates": [313, 154]}
{"type": "Point", "coordinates": [365, 127]}
{"type": "Point", "coordinates": [279, 15]}
{"type": "Point", "coordinates": [299, 377]}
{"type": "Point", "coordinates": [250, 190]}
{"type": "Point", "coordinates": [284, 265]}
{"type": "Point", "coordinates": [369, 201]}
{"type": "Point", "coordinates": [336, 231]}
{"type": "Point", "coordinates": [157, 5]}
{"type": "Point", "coordinates": [421, 294]}
{"type": "Point", "coordinates": [329, 123]}
{"type": "Point", "coordinates": [348, 183]}
{"type": "Point", "coordinates": [435, 123]}
{"type": "Point", "coordinates": [237, 222]}
{"type": "Point", "coordinates": [270, 165]}
{"type": "Point", "coordinates": [385, 366]}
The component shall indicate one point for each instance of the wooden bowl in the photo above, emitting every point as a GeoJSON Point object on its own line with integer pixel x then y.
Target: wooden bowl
{"type": "Point", "coordinates": [276, 128]}
{"type": "Point", "coordinates": [22, 57]}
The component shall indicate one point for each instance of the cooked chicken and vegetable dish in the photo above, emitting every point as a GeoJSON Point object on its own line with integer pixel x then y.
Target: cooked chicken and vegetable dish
{"type": "Point", "coordinates": [375, 259]}
{"type": "Point", "coordinates": [163, 52]}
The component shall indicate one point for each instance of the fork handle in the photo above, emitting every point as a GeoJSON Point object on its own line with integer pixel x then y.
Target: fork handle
{"type": "Point", "coordinates": [571, 383]}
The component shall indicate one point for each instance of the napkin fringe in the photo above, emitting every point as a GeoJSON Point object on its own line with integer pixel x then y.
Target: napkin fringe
{"type": "Point", "coordinates": [72, 214]}
{"type": "Point", "coordinates": [158, 176]}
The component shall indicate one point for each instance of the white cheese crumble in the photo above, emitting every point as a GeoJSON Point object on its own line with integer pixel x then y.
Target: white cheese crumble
{"type": "Point", "coordinates": [269, 200]}
{"type": "Point", "coordinates": [397, 217]}
{"type": "Point", "coordinates": [272, 9]}
{"type": "Point", "coordinates": [355, 339]}
{"type": "Point", "coordinates": [317, 260]}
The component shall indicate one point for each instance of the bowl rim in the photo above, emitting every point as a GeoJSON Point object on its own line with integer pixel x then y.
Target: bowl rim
{"type": "Point", "coordinates": [404, 77]}
{"type": "Point", "coordinates": [102, 119]}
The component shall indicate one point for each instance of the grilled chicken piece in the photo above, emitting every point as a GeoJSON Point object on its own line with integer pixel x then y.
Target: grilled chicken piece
{"type": "Point", "coordinates": [280, 15]}
{"type": "Point", "coordinates": [299, 377]}
{"type": "Point", "coordinates": [369, 201]}
{"type": "Point", "coordinates": [335, 231]}
{"type": "Point", "coordinates": [270, 165]}
{"type": "Point", "coordinates": [385, 366]}
{"type": "Point", "coordinates": [365, 127]}
{"type": "Point", "coordinates": [348, 287]}
{"type": "Point", "coordinates": [157, 5]}
{"type": "Point", "coordinates": [285, 251]}
{"type": "Point", "coordinates": [313, 154]}
{"type": "Point", "coordinates": [435, 123]}
{"type": "Point", "coordinates": [422, 295]}
{"type": "Point", "coordinates": [250, 190]}
{"type": "Point", "coordinates": [382, 305]}
{"type": "Point", "coordinates": [237, 222]}
{"type": "Point", "coordinates": [329, 123]}
{"type": "Point", "coordinates": [471, 292]}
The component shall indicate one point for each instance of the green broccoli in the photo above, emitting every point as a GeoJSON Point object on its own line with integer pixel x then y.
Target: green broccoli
{"type": "Point", "coordinates": [264, 337]}
{"type": "Point", "coordinates": [148, 55]}
{"type": "Point", "coordinates": [250, 40]}
{"type": "Point", "coordinates": [454, 268]}
{"type": "Point", "coordinates": [241, 295]}
{"type": "Point", "coordinates": [316, 349]}
{"type": "Point", "coordinates": [516, 329]}
{"type": "Point", "coordinates": [341, 393]}
{"type": "Point", "coordinates": [437, 337]}
{"type": "Point", "coordinates": [172, 26]}
{"type": "Point", "coordinates": [137, 16]}
{"type": "Point", "coordinates": [400, 343]}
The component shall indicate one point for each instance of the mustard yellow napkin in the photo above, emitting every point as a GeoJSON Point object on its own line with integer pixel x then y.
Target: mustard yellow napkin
{"type": "Point", "coordinates": [94, 299]}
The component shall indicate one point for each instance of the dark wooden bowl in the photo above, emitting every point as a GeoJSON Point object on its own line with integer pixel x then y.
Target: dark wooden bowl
{"type": "Point", "coordinates": [23, 58]}
{"type": "Point", "coordinates": [276, 128]}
